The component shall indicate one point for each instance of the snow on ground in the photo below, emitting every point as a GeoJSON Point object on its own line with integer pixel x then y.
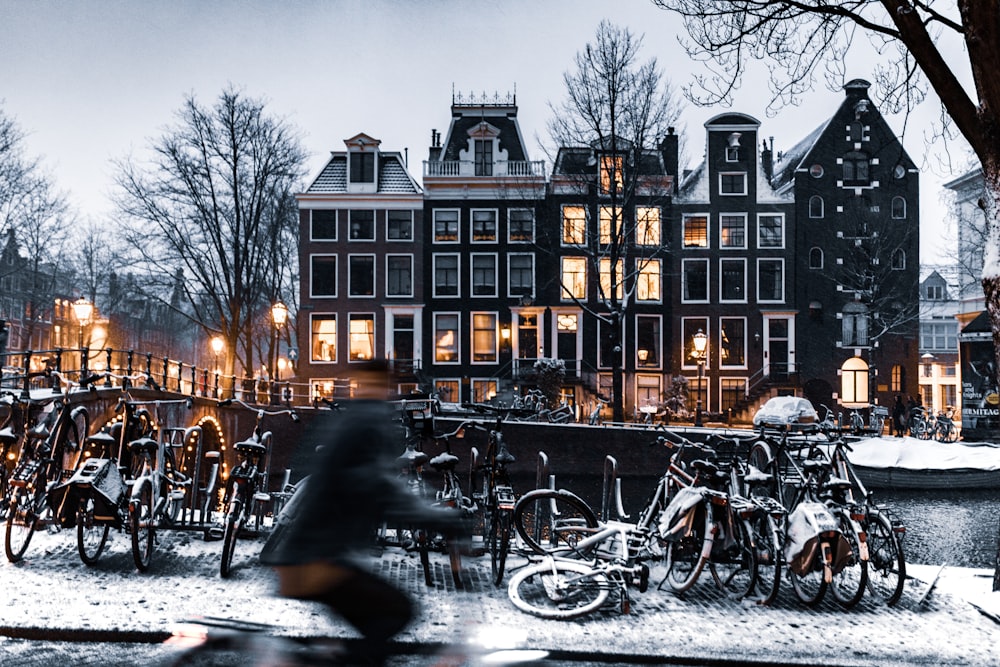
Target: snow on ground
{"type": "Point", "coordinates": [915, 454]}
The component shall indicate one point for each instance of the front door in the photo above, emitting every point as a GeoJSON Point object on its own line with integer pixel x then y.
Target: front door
{"type": "Point", "coordinates": [778, 361]}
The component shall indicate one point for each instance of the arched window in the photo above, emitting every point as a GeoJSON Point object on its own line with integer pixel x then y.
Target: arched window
{"type": "Point", "coordinates": [815, 206]}
{"type": "Point", "coordinates": [898, 208]}
{"type": "Point", "coordinates": [856, 168]}
{"type": "Point", "coordinates": [898, 259]}
{"type": "Point", "coordinates": [854, 383]}
{"type": "Point", "coordinates": [815, 258]}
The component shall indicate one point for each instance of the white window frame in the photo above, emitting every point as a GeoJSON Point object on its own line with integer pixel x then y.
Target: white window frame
{"type": "Point", "coordinates": [335, 318]}
{"type": "Point", "coordinates": [472, 337]}
{"type": "Point", "coordinates": [708, 230]}
{"type": "Point", "coordinates": [564, 293]}
{"type": "Point", "coordinates": [336, 226]}
{"type": "Point", "coordinates": [458, 337]}
{"type": "Point", "coordinates": [389, 256]}
{"type": "Point", "coordinates": [743, 217]}
{"type": "Point", "coordinates": [472, 223]}
{"type": "Point", "coordinates": [531, 238]}
{"type": "Point", "coordinates": [781, 240]}
{"type": "Point", "coordinates": [781, 262]}
{"type": "Point", "coordinates": [643, 226]}
{"type": "Point", "coordinates": [746, 350]}
{"type": "Point", "coordinates": [703, 261]}
{"type": "Point", "coordinates": [641, 275]}
{"type": "Point", "coordinates": [472, 273]}
{"type": "Point", "coordinates": [350, 215]}
{"type": "Point", "coordinates": [562, 226]}
{"type": "Point", "coordinates": [741, 174]}
{"type": "Point", "coordinates": [458, 272]}
{"type": "Point", "coordinates": [374, 275]}
{"type": "Point", "coordinates": [398, 240]}
{"type": "Point", "coordinates": [365, 315]}
{"type": "Point", "coordinates": [336, 275]}
{"type": "Point", "coordinates": [733, 260]}
{"type": "Point", "coordinates": [458, 226]}
{"type": "Point", "coordinates": [529, 255]}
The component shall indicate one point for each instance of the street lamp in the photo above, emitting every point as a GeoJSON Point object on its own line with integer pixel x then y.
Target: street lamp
{"type": "Point", "coordinates": [279, 315]}
{"type": "Point", "coordinates": [217, 345]}
{"type": "Point", "coordinates": [83, 310]}
{"type": "Point", "coordinates": [700, 344]}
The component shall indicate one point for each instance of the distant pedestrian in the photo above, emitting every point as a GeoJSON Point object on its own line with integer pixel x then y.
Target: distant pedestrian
{"type": "Point", "coordinates": [899, 417]}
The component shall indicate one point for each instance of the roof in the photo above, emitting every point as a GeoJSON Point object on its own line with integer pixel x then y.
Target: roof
{"type": "Point", "coordinates": [393, 178]}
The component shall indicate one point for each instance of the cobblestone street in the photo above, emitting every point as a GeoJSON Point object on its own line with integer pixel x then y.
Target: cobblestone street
{"type": "Point", "coordinates": [52, 595]}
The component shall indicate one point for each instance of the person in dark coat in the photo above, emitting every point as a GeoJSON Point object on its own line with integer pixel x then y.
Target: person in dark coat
{"type": "Point", "coordinates": [352, 488]}
{"type": "Point", "coordinates": [899, 417]}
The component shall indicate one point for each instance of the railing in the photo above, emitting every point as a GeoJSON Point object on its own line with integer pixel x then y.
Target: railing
{"type": "Point", "coordinates": [501, 168]}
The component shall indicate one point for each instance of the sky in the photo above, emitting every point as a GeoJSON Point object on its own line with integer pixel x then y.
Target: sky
{"type": "Point", "coordinates": [91, 82]}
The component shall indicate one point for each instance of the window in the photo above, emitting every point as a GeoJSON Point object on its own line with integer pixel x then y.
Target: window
{"type": "Point", "coordinates": [446, 226]}
{"type": "Point", "coordinates": [647, 280]}
{"type": "Point", "coordinates": [399, 225]}
{"type": "Point", "coordinates": [361, 275]}
{"type": "Point", "coordinates": [574, 225]}
{"type": "Point", "coordinates": [732, 183]}
{"type": "Point", "coordinates": [816, 171]}
{"type": "Point", "coordinates": [322, 275]}
{"type": "Point", "coordinates": [399, 275]}
{"type": "Point", "coordinates": [733, 280]}
{"type": "Point", "coordinates": [484, 337]}
{"type": "Point", "coordinates": [898, 259]}
{"type": "Point", "coordinates": [361, 336]}
{"type": "Point", "coordinates": [816, 206]}
{"type": "Point", "coordinates": [733, 393]}
{"type": "Point", "coordinates": [362, 225]}
{"type": "Point", "coordinates": [856, 168]}
{"type": "Point", "coordinates": [854, 325]}
{"type": "Point", "coordinates": [898, 208]}
{"type": "Point", "coordinates": [448, 390]}
{"type": "Point", "coordinates": [647, 341]}
{"type": "Point", "coordinates": [483, 156]}
{"type": "Point", "coordinates": [695, 280]}
{"type": "Point", "coordinates": [324, 226]}
{"type": "Point", "coordinates": [574, 278]}
{"type": "Point", "coordinates": [609, 225]}
{"type": "Point", "coordinates": [732, 231]}
{"type": "Point", "coordinates": [483, 391]}
{"type": "Point", "coordinates": [695, 231]}
{"type": "Point", "coordinates": [732, 153]}
{"type": "Point", "coordinates": [520, 275]}
{"type": "Point", "coordinates": [484, 225]}
{"type": "Point", "coordinates": [604, 266]}
{"type": "Point", "coordinates": [324, 337]}
{"type": "Point", "coordinates": [446, 275]}
{"type": "Point", "coordinates": [732, 346]}
{"type": "Point", "coordinates": [935, 292]}
{"type": "Point", "coordinates": [770, 231]}
{"type": "Point", "coordinates": [520, 225]}
{"type": "Point", "coordinates": [647, 227]}
{"type": "Point", "coordinates": [815, 258]}
{"type": "Point", "coordinates": [484, 274]}
{"type": "Point", "coordinates": [770, 280]}
{"type": "Point", "coordinates": [689, 356]}
{"type": "Point", "coordinates": [608, 340]}
{"type": "Point", "coordinates": [611, 174]}
{"type": "Point", "coordinates": [942, 336]}
{"type": "Point", "coordinates": [362, 168]}
{"type": "Point", "coordinates": [446, 338]}
{"type": "Point", "coordinates": [896, 378]}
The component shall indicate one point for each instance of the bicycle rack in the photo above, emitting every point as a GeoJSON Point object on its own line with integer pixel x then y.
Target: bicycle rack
{"type": "Point", "coordinates": [612, 490]}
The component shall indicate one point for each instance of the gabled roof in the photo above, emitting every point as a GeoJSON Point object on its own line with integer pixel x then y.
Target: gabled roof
{"type": "Point", "coordinates": [393, 178]}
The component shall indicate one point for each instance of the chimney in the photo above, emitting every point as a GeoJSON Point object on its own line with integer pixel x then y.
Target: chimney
{"type": "Point", "coordinates": [435, 150]}
{"type": "Point", "coordinates": [669, 150]}
{"type": "Point", "coordinates": [767, 159]}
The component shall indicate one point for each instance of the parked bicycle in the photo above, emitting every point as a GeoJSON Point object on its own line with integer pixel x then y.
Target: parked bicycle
{"type": "Point", "coordinates": [49, 454]}
{"type": "Point", "coordinates": [945, 429]}
{"type": "Point", "coordinates": [246, 497]}
{"type": "Point", "coordinates": [920, 423]}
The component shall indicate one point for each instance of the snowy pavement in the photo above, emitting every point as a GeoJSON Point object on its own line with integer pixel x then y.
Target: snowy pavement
{"type": "Point", "coordinates": [51, 594]}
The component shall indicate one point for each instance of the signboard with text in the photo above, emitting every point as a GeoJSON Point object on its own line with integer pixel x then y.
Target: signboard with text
{"type": "Point", "coordinates": [980, 398]}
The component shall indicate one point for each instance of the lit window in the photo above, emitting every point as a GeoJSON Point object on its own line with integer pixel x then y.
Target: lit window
{"type": "Point", "coordinates": [323, 275]}
{"type": "Point", "coordinates": [695, 231]}
{"type": "Point", "coordinates": [324, 337]}
{"type": "Point", "coordinates": [574, 225]}
{"type": "Point", "coordinates": [574, 278]}
{"type": "Point", "coordinates": [483, 391]}
{"type": "Point", "coordinates": [606, 277]}
{"type": "Point", "coordinates": [647, 228]}
{"type": "Point", "coordinates": [484, 275]}
{"type": "Point", "coordinates": [732, 347]}
{"type": "Point", "coordinates": [361, 337]}
{"type": "Point", "coordinates": [446, 226]}
{"type": "Point", "coordinates": [647, 280]}
{"type": "Point", "coordinates": [520, 225]}
{"type": "Point", "coordinates": [611, 174]}
{"type": "Point", "coordinates": [362, 225]}
{"type": "Point", "coordinates": [733, 231]}
{"type": "Point", "coordinates": [484, 226]}
{"type": "Point", "coordinates": [484, 337]}
{"type": "Point", "coordinates": [446, 337]}
{"type": "Point", "coordinates": [448, 390]}
{"type": "Point", "coordinates": [610, 224]}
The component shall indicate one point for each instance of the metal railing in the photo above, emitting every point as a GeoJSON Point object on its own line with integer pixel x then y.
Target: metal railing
{"type": "Point", "coordinates": [500, 168]}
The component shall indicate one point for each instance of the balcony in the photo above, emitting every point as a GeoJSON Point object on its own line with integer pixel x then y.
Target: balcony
{"type": "Point", "coordinates": [500, 169]}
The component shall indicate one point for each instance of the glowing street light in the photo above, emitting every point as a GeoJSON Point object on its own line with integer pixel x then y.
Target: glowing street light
{"type": "Point", "coordinates": [83, 310]}
{"type": "Point", "coordinates": [700, 341]}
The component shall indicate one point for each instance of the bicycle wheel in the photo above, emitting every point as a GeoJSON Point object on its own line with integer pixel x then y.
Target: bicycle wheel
{"type": "Point", "coordinates": [735, 568]}
{"type": "Point", "coordinates": [767, 540]}
{"type": "Point", "coordinates": [848, 585]}
{"type": "Point", "coordinates": [229, 537]}
{"type": "Point", "coordinates": [141, 523]}
{"type": "Point", "coordinates": [886, 561]}
{"type": "Point", "coordinates": [22, 519]}
{"type": "Point", "coordinates": [558, 589]}
{"type": "Point", "coordinates": [684, 555]}
{"type": "Point", "coordinates": [4, 489]}
{"type": "Point", "coordinates": [811, 586]}
{"type": "Point", "coordinates": [551, 521]}
{"type": "Point", "coordinates": [498, 542]}
{"type": "Point", "coordinates": [761, 458]}
{"type": "Point", "coordinates": [90, 537]}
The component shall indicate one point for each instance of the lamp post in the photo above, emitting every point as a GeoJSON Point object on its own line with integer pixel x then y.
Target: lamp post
{"type": "Point", "coordinates": [700, 345]}
{"type": "Point", "coordinates": [83, 310]}
{"type": "Point", "coordinates": [217, 346]}
{"type": "Point", "coordinates": [279, 315]}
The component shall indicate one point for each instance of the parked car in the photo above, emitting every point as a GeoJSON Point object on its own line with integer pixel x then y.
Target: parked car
{"type": "Point", "coordinates": [782, 411]}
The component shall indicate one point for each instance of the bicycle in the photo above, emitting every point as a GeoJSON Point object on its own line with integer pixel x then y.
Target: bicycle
{"type": "Point", "coordinates": [246, 495]}
{"type": "Point", "coordinates": [920, 425]}
{"type": "Point", "coordinates": [21, 411]}
{"type": "Point", "coordinates": [158, 490]}
{"type": "Point", "coordinates": [496, 497]}
{"type": "Point", "coordinates": [48, 455]}
{"type": "Point", "coordinates": [582, 563]}
{"type": "Point", "coordinates": [944, 427]}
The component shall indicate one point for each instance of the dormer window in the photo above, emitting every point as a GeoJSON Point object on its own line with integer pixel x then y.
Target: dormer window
{"type": "Point", "coordinates": [362, 168]}
{"type": "Point", "coordinates": [612, 178]}
{"type": "Point", "coordinates": [483, 152]}
{"type": "Point", "coordinates": [362, 163]}
{"type": "Point", "coordinates": [484, 157]}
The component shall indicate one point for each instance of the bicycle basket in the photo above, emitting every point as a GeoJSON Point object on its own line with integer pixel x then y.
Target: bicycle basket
{"type": "Point", "coordinates": [678, 519]}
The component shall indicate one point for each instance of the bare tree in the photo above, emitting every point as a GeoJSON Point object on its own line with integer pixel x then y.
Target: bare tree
{"type": "Point", "coordinates": [213, 206]}
{"type": "Point", "coordinates": [617, 109]}
{"type": "Point", "coordinates": [797, 38]}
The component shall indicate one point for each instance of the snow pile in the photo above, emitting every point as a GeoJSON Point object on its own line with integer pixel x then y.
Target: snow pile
{"type": "Point", "coordinates": [915, 454]}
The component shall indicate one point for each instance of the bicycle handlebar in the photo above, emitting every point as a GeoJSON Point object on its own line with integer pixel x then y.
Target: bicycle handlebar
{"type": "Point", "coordinates": [261, 412]}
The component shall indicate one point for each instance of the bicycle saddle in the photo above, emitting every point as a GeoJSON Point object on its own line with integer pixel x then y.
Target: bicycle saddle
{"type": "Point", "coordinates": [250, 447]}
{"type": "Point", "coordinates": [412, 457]}
{"type": "Point", "coordinates": [444, 461]}
{"type": "Point", "coordinates": [143, 445]}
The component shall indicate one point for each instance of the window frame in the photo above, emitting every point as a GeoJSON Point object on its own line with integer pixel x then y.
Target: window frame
{"type": "Point", "coordinates": [389, 226]}
{"type": "Point", "coordinates": [473, 256]}
{"type": "Point", "coordinates": [312, 275]}
{"type": "Point", "coordinates": [741, 233]}
{"type": "Point", "coordinates": [457, 272]}
{"type": "Point", "coordinates": [699, 261]}
{"type": "Point", "coordinates": [564, 293]}
{"type": "Point", "coordinates": [742, 348]}
{"type": "Point", "coordinates": [704, 234]}
{"type": "Point", "coordinates": [510, 285]}
{"type": "Point", "coordinates": [643, 276]}
{"type": "Point", "coordinates": [324, 317]}
{"type": "Point", "coordinates": [822, 258]}
{"type": "Point", "coordinates": [388, 274]}
{"type": "Point", "coordinates": [312, 225]}
{"type": "Point", "coordinates": [780, 262]}
{"type": "Point", "coordinates": [436, 317]}
{"type": "Point", "coordinates": [724, 175]}
{"type": "Point", "coordinates": [446, 239]}
{"type": "Point", "coordinates": [360, 317]}
{"type": "Point", "coordinates": [648, 232]}
{"type": "Point", "coordinates": [487, 238]}
{"type": "Point", "coordinates": [492, 356]}
{"type": "Point", "coordinates": [898, 208]}
{"type": "Point", "coordinates": [367, 167]}
{"type": "Point", "coordinates": [780, 245]}
{"type": "Point", "coordinates": [371, 274]}
{"type": "Point", "coordinates": [573, 235]}
{"type": "Point", "coordinates": [531, 224]}
{"type": "Point", "coordinates": [822, 207]}
{"type": "Point", "coordinates": [351, 238]}
{"type": "Point", "coordinates": [742, 263]}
